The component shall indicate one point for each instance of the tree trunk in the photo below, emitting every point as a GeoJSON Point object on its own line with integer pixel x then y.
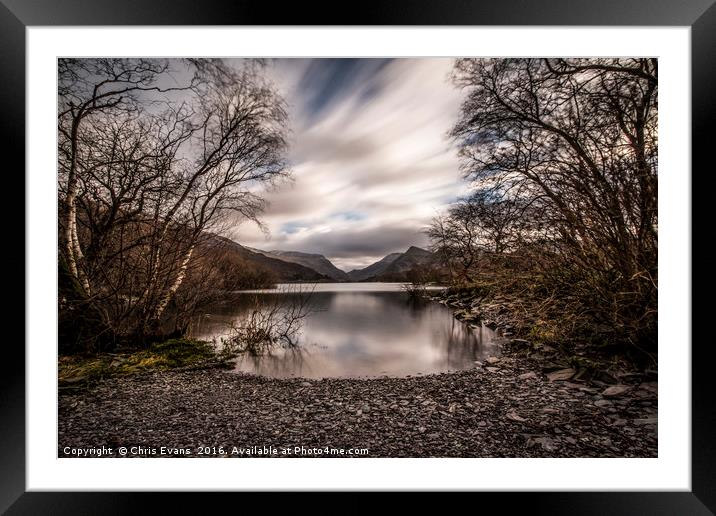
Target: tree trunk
{"type": "Point", "coordinates": [74, 251]}
{"type": "Point", "coordinates": [181, 273]}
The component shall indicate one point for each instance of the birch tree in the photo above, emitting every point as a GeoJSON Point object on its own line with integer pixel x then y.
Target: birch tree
{"type": "Point", "coordinates": [153, 155]}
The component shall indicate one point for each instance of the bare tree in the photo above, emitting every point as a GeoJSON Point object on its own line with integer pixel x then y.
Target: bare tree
{"type": "Point", "coordinates": [153, 155]}
{"type": "Point", "coordinates": [576, 141]}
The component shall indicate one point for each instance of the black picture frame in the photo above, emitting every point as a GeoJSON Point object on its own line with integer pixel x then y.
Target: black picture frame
{"type": "Point", "coordinates": [16, 15]}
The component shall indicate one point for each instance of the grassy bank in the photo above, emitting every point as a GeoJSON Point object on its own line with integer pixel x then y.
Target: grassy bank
{"type": "Point", "coordinates": [79, 371]}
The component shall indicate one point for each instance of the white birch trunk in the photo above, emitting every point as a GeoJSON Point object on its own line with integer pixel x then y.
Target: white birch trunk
{"type": "Point", "coordinates": [74, 251]}
{"type": "Point", "coordinates": [181, 273]}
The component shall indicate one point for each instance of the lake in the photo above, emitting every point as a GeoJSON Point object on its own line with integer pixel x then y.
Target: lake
{"type": "Point", "coordinates": [353, 330]}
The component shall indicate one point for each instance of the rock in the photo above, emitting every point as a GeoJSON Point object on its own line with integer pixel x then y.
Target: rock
{"type": "Point", "coordinates": [605, 377]}
{"type": "Point", "coordinates": [306, 384]}
{"type": "Point", "coordinates": [549, 367]}
{"type": "Point", "coordinates": [546, 443]}
{"type": "Point", "coordinates": [478, 363]}
{"type": "Point", "coordinates": [561, 375]}
{"type": "Point", "coordinates": [421, 429]}
{"type": "Point", "coordinates": [615, 391]}
{"type": "Point", "coordinates": [652, 387]}
{"type": "Point", "coordinates": [493, 369]}
{"type": "Point", "coordinates": [602, 403]}
{"type": "Point", "coordinates": [646, 421]}
{"type": "Point", "coordinates": [550, 410]}
{"type": "Point", "coordinates": [573, 385]}
{"type": "Point", "coordinates": [493, 360]}
{"type": "Point", "coordinates": [74, 380]}
{"type": "Point", "coordinates": [514, 416]}
{"type": "Point", "coordinates": [527, 376]}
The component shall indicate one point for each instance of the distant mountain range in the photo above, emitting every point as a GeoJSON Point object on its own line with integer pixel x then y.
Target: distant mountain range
{"type": "Point", "coordinates": [317, 262]}
{"type": "Point", "coordinates": [283, 270]}
{"type": "Point", "coordinates": [375, 269]}
{"type": "Point", "coordinates": [291, 266]}
{"type": "Point", "coordinates": [398, 267]}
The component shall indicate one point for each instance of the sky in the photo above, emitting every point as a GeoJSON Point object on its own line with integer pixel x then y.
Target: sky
{"type": "Point", "coordinates": [370, 157]}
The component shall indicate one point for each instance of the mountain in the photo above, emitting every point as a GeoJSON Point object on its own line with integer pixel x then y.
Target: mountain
{"type": "Point", "coordinates": [374, 269]}
{"type": "Point", "coordinates": [395, 266]}
{"type": "Point", "coordinates": [407, 261]}
{"type": "Point", "coordinates": [283, 270]}
{"type": "Point", "coordinates": [316, 262]}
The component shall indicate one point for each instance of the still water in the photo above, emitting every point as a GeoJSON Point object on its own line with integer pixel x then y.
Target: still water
{"type": "Point", "coordinates": [355, 330]}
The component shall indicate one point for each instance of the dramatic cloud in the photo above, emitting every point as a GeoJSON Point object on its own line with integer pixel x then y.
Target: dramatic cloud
{"type": "Point", "coordinates": [371, 161]}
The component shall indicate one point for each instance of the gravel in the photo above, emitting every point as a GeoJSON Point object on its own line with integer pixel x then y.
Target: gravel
{"type": "Point", "coordinates": [512, 410]}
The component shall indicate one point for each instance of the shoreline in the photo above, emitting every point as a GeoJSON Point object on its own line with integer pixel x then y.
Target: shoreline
{"type": "Point", "coordinates": [505, 408]}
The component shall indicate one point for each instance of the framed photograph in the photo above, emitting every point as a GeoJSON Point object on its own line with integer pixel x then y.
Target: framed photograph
{"type": "Point", "coordinates": [419, 252]}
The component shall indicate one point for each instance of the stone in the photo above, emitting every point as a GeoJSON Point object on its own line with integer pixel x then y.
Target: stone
{"type": "Point", "coordinates": [549, 367]}
{"type": "Point", "coordinates": [605, 377]}
{"type": "Point", "coordinates": [478, 363]}
{"type": "Point", "coordinates": [573, 385]}
{"type": "Point", "coordinates": [514, 416]}
{"type": "Point", "coordinates": [527, 376]}
{"type": "Point", "coordinates": [306, 384]}
{"type": "Point", "coordinates": [646, 421]}
{"type": "Point", "coordinates": [550, 410]}
{"type": "Point", "coordinates": [561, 375]}
{"type": "Point", "coordinates": [652, 387]}
{"type": "Point", "coordinates": [546, 443]}
{"type": "Point", "coordinates": [493, 360]}
{"type": "Point", "coordinates": [602, 403]}
{"type": "Point", "coordinates": [615, 391]}
{"type": "Point", "coordinates": [493, 369]}
{"type": "Point", "coordinates": [74, 380]}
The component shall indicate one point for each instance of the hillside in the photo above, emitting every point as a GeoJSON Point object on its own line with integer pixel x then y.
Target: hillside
{"type": "Point", "coordinates": [317, 262]}
{"type": "Point", "coordinates": [374, 269]}
{"type": "Point", "coordinates": [407, 261]}
{"type": "Point", "coordinates": [396, 266]}
{"type": "Point", "coordinates": [283, 270]}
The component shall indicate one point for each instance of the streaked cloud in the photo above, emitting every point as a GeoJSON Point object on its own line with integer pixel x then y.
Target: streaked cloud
{"type": "Point", "coordinates": [371, 161]}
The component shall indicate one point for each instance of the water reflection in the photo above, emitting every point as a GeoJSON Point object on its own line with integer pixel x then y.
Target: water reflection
{"type": "Point", "coordinates": [355, 330]}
